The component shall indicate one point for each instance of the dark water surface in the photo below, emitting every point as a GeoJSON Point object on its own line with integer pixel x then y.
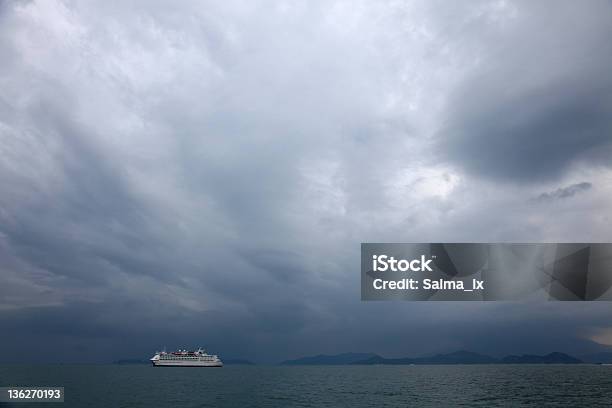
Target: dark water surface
{"type": "Point", "coordinates": [320, 386]}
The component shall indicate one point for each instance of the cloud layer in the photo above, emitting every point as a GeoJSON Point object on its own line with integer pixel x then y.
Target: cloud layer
{"type": "Point", "coordinates": [205, 172]}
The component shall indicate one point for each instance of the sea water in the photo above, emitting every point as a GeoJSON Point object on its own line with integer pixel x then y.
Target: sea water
{"type": "Point", "coordinates": [319, 386]}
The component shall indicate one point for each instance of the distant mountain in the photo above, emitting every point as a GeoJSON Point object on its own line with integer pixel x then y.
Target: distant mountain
{"type": "Point", "coordinates": [598, 358]}
{"type": "Point", "coordinates": [458, 357]}
{"type": "Point", "coordinates": [337, 359]}
{"type": "Point", "coordinates": [381, 360]}
{"type": "Point", "coordinates": [237, 361]}
{"type": "Point", "coordinates": [131, 361]}
{"type": "Point", "coordinates": [552, 358]}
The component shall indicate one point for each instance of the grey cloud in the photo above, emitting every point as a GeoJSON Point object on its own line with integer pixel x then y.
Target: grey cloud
{"type": "Point", "coordinates": [564, 192]}
{"type": "Point", "coordinates": [540, 101]}
{"type": "Point", "coordinates": [214, 166]}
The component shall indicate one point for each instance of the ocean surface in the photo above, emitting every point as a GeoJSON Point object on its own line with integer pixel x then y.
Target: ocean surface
{"type": "Point", "coordinates": [319, 386]}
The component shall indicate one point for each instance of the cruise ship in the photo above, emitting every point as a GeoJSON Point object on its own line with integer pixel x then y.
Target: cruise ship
{"type": "Point", "coordinates": [184, 358]}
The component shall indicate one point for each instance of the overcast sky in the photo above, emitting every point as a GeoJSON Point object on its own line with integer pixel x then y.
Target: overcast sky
{"type": "Point", "coordinates": [188, 173]}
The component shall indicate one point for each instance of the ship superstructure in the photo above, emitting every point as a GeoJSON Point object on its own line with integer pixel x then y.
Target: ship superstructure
{"type": "Point", "coordinates": [184, 358]}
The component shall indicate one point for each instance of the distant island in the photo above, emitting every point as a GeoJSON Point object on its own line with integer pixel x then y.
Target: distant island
{"type": "Point", "coordinates": [457, 357]}
{"type": "Point", "coordinates": [552, 358]}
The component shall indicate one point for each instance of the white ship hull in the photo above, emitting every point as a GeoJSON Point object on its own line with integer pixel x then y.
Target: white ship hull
{"type": "Point", "coordinates": [160, 363]}
{"type": "Point", "coordinates": [184, 358]}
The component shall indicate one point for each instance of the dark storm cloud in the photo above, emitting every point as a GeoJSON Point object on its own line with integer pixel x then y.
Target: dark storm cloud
{"type": "Point", "coordinates": [564, 192]}
{"type": "Point", "coordinates": [535, 135]}
{"type": "Point", "coordinates": [212, 168]}
{"type": "Point", "coordinates": [541, 98]}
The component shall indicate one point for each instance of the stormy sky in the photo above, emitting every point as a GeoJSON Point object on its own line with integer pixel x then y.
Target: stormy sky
{"type": "Point", "coordinates": [202, 173]}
